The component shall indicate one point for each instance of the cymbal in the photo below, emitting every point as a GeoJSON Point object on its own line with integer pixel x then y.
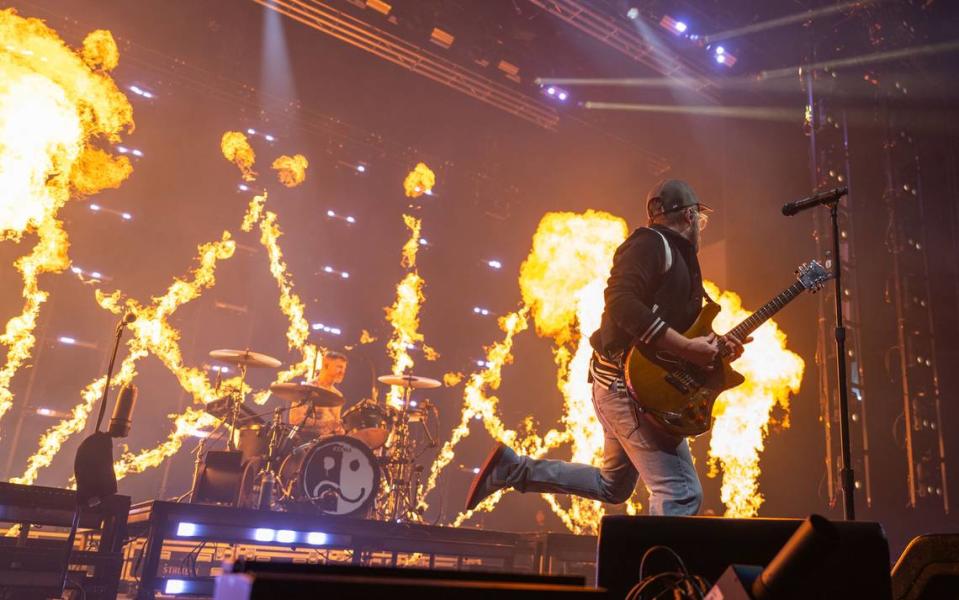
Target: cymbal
{"type": "Point", "coordinates": [245, 357]}
{"type": "Point", "coordinates": [303, 392]}
{"type": "Point", "coordinates": [411, 381]}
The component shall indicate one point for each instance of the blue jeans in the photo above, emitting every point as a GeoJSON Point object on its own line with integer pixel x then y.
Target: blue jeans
{"type": "Point", "coordinates": [635, 447]}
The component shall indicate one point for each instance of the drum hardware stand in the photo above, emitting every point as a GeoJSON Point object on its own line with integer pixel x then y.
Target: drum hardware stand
{"type": "Point", "coordinates": [405, 481]}
{"type": "Point", "coordinates": [237, 399]}
{"type": "Point", "coordinates": [267, 475]}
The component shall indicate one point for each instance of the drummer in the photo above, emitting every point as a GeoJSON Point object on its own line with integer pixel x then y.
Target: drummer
{"type": "Point", "coordinates": [318, 421]}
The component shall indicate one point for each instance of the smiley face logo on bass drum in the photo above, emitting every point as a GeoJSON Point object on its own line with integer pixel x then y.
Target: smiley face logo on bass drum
{"type": "Point", "coordinates": [339, 476]}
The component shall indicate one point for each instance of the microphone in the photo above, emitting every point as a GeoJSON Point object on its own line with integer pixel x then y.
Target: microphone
{"type": "Point", "coordinates": [123, 412]}
{"type": "Point", "coordinates": [827, 197]}
{"type": "Point", "coordinates": [129, 318]}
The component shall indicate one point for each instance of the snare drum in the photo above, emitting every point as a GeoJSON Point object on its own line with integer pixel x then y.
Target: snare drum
{"type": "Point", "coordinates": [369, 422]}
{"type": "Point", "coordinates": [338, 475]}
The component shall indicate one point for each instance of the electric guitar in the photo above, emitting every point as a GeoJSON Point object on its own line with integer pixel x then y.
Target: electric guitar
{"type": "Point", "coordinates": [680, 395]}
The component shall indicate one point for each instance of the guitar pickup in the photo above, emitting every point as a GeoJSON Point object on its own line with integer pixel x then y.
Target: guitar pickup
{"type": "Point", "coordinates": [676, 383]}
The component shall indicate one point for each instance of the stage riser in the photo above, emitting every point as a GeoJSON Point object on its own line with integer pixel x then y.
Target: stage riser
{"type": "Point", "coordinates": [165, 533]}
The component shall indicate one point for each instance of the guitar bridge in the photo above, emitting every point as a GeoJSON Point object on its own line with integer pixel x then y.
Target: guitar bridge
{"type": "Point", "coordinates": [674, 381]}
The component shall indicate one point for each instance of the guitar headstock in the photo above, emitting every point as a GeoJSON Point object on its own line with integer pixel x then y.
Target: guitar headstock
{"type": "Point", "coordinates": [812, 276]}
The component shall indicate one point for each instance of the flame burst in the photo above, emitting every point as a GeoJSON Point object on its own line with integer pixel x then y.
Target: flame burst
{"type": "Point", "coordinates": [54, 104]}
{"type": "Point", "coordinates": [151, 334]}
{"type": "Point", "coordinates": [419, 181]}
{"type": "Point", "coordinates": [477, 404]}
{"type": "Point", "coordinates": [742, 415]}
{"type": "Point", "coordinates": [290, 303]}
{"type": "Point", "coordinates": [291, 170]}
{"type": "Point", "coordinates": [236, 149]}
{"type": "Point", "coordinates": [563, 280]}
{"type": "Point", "coordinates": [404, 314]}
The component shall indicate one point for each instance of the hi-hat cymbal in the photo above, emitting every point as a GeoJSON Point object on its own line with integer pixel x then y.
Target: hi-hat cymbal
{"type": "Point", "coordinates": [245, 357]}
{"type": "Point", "coordinates": [304, 392]}
{"type": "Point", "coordinates": [411, 381]}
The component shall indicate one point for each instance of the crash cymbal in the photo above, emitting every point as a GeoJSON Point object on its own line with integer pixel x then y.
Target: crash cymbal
{"type": "Point", "coordinates": [245, 357]}
{"type": "Point", "coordinates": [304, 392]}
{"type": "Point", "coordinates": [411, 381]}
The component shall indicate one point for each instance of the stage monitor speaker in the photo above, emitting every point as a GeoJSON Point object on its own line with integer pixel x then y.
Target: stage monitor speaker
{"type": "Point", "coordinates": [708, 545]}
{"type": "Point", "coordinates": [928, 569]}
{"type": "Point", "coordinates": [218, 478]}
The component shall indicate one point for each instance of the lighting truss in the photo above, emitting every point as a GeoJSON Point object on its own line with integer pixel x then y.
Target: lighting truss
{"type": "Point", "coordinates": [335, 23]}
{"type": "Point", "coordinates": [609, 32]}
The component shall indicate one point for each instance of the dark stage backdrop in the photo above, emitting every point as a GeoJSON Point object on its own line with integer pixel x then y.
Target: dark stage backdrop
{"type": "Point", "coordinates": [497, 176]}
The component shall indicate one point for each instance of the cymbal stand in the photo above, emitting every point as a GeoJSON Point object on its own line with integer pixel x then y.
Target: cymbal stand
{"type": "Point", "coordinates": [236, 400]}
{"type": "Point", "coordinates": [267, 475]}
{"type": "Point", "coordinates": [402, 502]}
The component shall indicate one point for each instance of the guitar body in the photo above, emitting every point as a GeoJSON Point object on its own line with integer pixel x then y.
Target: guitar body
{"type": "Point", "coordinates": [678, 394]}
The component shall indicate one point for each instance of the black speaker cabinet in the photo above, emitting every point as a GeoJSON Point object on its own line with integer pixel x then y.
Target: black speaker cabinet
{"type": "Point", "coordinates": [859, 569]}
{"type": "Point", "coordinates": [928, 569]}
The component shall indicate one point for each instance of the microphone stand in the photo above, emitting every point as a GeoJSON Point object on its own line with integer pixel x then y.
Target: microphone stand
{"type": "Point", "coordinates": [71, 536]}
{"type": "Point", "coordinates": [124, 321]}
{"type": "Point", "coordinates": [846, 473]}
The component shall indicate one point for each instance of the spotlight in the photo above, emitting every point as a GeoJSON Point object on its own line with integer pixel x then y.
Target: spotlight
{"type": "Point", "coordinates": [122, 149]}
{"type": "Point", "coordinates": [136, 153]}
{"type": "Point", "coordinates": [94, 207]}
{"type": "Point", "coordinates": [96, 274]}
{"type": "Point", "coordinates": [632, 14]}
{"type": "Point", "coordinates": [423, 242]}
{"type": "Point", "coordinates": [184, 529]}
{"type": "Point", "coordinates": [361, 168]}
{"type": "Point", "coordinates": [562, 96]}
{"type": "Point", "coordinates": [63, 339]}
{"type": "Point", "coordinates": [345, 275]}
{"type": "Point", "coordinates": [674, 26]}
{"type": "Point", "coordinates": [494, 264]}
{"type": "Point", "coordinates": [720, 58]}
{"type": "Point", "coordinates": [328, 269]}
{"type": "Point", "coordinates": [330, 213]}
{"type": "Point", "coordinates": [551, 91]}
{"type": "Point", "coordinates": [720, 50]}
{"type": "Point", "coordinates": [251, 131]}
{"type": "Point", "coordinates": [126, 216]}
{"type": "Point", "coordinates": [243, 187]}
{"type": "Point", "coordinates": [264, 535]}
{"type": "Point", "coordinates": [269, 138]}
{"type": "Point", "coordinates": [350, 220]}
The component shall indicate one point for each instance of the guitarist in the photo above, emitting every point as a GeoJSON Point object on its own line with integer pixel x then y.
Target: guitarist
{"type": "Point", "coordinates": [654, 291]}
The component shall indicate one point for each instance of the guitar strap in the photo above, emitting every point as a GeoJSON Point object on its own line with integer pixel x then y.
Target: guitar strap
{"type": "Point", "coordinates": [668, 263]}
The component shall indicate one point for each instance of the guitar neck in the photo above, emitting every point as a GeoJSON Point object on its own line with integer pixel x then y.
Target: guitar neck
{"type": "Point", "coordinates": [767, 310]}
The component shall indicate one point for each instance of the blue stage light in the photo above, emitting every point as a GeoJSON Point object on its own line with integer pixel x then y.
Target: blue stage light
{"type": "Point", "coordinates": [264, 534]}
{"type": "Point", "coordinates": [316, 538]}
{"type": "Point", "coordinates": [184, 529]}
{"type": "Point", "coordinates": [285, 536]}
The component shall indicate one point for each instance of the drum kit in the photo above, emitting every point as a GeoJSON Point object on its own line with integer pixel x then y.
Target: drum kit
{"type": "Point", "coordinates": [369, 472]}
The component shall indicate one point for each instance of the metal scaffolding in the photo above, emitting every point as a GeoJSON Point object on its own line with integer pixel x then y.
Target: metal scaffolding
{"type": "Point", "coordinates": [357, 33]}
{"type": "Point", "coordinates": [908, 292]}
{"type": "Point", "coordinates": [610, 32]}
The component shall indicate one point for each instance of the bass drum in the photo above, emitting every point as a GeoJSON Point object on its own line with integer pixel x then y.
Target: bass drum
{"type": "Point", "coordinates": [338, 475]}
